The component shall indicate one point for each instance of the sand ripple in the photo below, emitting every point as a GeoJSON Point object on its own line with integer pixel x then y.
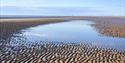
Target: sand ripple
{"type": "Point", "coordinates": [66, 53]}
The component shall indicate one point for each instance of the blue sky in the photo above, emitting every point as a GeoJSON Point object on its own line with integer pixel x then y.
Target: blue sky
{"type": "Point", "coordinates": [63, 7]}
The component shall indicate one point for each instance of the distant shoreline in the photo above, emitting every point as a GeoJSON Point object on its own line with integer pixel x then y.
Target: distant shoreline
{"type": "Point", "coordinates": [25, 18]}
{"type": "Point", "coordinates": [15, 17]}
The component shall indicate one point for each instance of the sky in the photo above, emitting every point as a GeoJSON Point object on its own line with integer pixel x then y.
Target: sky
{"type": "Point", "coordinates": [63, 7]}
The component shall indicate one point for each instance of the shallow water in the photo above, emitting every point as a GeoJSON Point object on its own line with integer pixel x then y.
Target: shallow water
{"type": "Point", "coordinates": [76, 31]}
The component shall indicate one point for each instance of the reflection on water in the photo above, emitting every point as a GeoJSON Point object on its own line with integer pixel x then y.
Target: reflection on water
{"type": "Point", "coordinates": [77, 31]}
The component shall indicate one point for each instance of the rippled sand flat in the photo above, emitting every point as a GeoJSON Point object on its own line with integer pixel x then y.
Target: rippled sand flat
{"type": "Point", "coordinates": [60, 53]}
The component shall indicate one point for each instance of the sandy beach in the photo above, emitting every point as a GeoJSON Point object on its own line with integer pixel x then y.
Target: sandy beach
{"type": "Point", "coordinates": [59, 53]}
{"type": "Point", "coordinates": [110, 26]}
{"type": "Point", "coordinates": [62, 31]}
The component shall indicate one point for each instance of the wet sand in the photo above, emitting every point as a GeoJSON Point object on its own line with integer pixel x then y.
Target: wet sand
{"type": "Point", "coordinates": [60, 53]}
{"type": "Point", "coordinates": [113, 27]}
{"type": "Point", "coordinates": [10, 26]}
{"type": "Point", "coordinates": [29, 19]}
{"type": "Point", "coordinates": [55, 53]}
{"type": "Point", "coordinates": [109, 26]}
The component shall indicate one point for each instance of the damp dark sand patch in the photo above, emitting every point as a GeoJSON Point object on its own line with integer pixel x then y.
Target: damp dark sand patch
{"type": "Point", "coordinates": [60, 53]}
{"type": "Point", "coordinates": [112, 30]}
{"type": "Point", "coordinates": [110, 26]}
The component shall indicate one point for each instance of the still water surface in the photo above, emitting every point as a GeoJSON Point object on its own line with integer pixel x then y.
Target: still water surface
{"type": "Point", "coordinates": [75, 31]}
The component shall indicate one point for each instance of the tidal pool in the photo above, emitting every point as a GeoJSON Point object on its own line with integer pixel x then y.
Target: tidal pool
{"type": "Point", "coordinates": [75, 31]}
